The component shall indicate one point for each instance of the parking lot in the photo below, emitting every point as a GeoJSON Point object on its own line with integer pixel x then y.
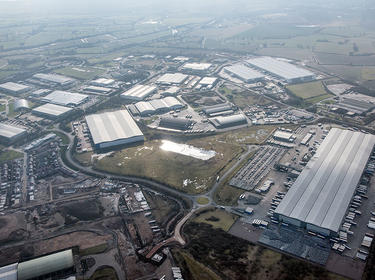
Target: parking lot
{"type": "Point", "coordinates": [81, 130]}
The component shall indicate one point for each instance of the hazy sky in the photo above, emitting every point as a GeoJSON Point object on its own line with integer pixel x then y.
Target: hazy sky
{"type": "Point", "coordinates": [126, 6]}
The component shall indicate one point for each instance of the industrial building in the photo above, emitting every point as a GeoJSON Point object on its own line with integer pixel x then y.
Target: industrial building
{"type": "Point", "coordinates": [10, 133]}
{"type": "Point", "coordinates": [244, 73]}
{"type": "Point", "coordinates": [228, 121]}
{"type": "Point", "coordinates": [54, 79]}
{"type": "Point", "coordinates": [21, 104]}
{"type": "Point", "coordinates": [112, 129]}
{"type": "Point", "coordinates": [55, 266]}
{"type": "Point", "coordinates": [156, 106]}
{"type": "Point", "coordinates": [65, 98]}
{"type": "Point", "coordinates": [51, 111]}
{"type": "Point", "coordinates": [356, 106]}
{"type": "Point", "coordinates": [97, 90]}
{"type": "Point", "coordinates": [175, 123]}
{"type": "Point", "coordinates": [220, 109]}
{"type": "Point", "coordinates": [282, 70]}
{"type": "Point", "coordinates": [102, 82]}
{"type": "Point", "coordinates": [208, 81]}
{"type": "Point", "coordinates": [171, 91]}
{"type": "Point", "coordinates": [197, 66]}
{"type": "Point", "coordinates": [13, 88]}
{"type": "Point", "coordinates": [283, 136]}
{"type": "Point", "coordinates": [172, 79]}
{"type": "Point", "coordinates": [139, 92]}
{"type": "Point", "coordinates": [319, 198]}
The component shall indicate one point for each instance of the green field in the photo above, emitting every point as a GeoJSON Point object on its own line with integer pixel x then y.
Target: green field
{"type": "Point", "coordinates": [8, 155]}
{"type": "Point", "coordinates": [216, 217]}
{"type": "Point", "coordinates": [182, 172]}
{"type": "Point", "coordinates": [81, 73]}
{"type": "Point", "coordinates": [309, 91]}
{"type": "Point", "coordinates": [244, 98]}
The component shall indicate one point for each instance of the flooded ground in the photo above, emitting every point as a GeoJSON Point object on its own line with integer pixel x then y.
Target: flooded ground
{"type": "Point", "coordinates": [187, 150]}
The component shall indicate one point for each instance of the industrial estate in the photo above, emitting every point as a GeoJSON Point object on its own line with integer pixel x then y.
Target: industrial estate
{"type": "Point", "coordinates": [184, 163]}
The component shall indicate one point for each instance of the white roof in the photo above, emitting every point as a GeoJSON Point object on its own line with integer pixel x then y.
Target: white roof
{"type": "Point", "coordinates": [322, 192]}
{"type": "Point", "coordinates": [59, 79]}
{"type": "Point", "coordinates": [208, 81]}
{"type": "Point", "coordinates": [9, 272]}
{"type": "Point", "coordinates": [10, 131]}
{"type": "Point", "coordinates": [14, 87]}
{"type": "Point", "coordinates": [244, 72]}
{"type": "Point", "coordinates": [138, 92]}
{"type": "Point", "coordinates": [52, 110]}
{"type": "Point", "coordinates": [103, 81]}
{"type": "Point", "coordinates": [176, 78]}
{"type": "Point", "coordinates": [225, 120]}
{"type": "Point", "coordinates": [65, 98]}
{"type": "Point", "coordinates": [282, 134]}
{"type": "Point", "coordinates": [280, 68]}
{"type": "Point", "coordinates": [197, 66]}
{"type": "Point", "coordinates": [112, 126]}
{"type": "Point", "coordinates": [151, 106]}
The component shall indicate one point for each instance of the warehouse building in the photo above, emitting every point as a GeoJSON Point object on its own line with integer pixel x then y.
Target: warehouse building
{"type": "Point", "coordinates": [10, 133]}
{"type": "Point", "coordinates": [198, 67]}
{"type": "Point", "coordinates": [282, 70]}
{"type": "Point", "coordinates": [102, 82]}
{"type": "Point", "coordinates": [113, 129]}
{"type": "Point", "coordinates": [284, 136]}
{"type": "Point", "coordinates": [155, 106]}
{"type": "Point", "coordinates": [65, 98]}
{"type": "Point", "coordinates": [319, 198]}
{"type": "Point", "coordinates": [13, 88]}
{"type": "Point", "coordinates": [219, 109]}
{"type": "Point", "coordinates": [208, 81]}
{"type": "Point", "coordinates": [172, 79]}
{"type": "Point", "coordinates": [139, 92]}
{"type": "Point", "coordinates": [54, 79]}
{"type": "Point", "coordinates": [98, 90]}
{"type": "Point", "coordinates": [175, 123]}
{"type": "Point", "coordinates": [52, 111]}
{"type": "Point", "coordinates": [21, 104]}
{"type": "Point", "coordinates": [171, 91]}
{"type": "Point", "coordinates": [356, 106]}
{"type": "Point", "coordinates": [228, 121]}
{"type": "Point", "coordinates": [9, 272]}
{"type": "Point", "coordinates": [244, 73]}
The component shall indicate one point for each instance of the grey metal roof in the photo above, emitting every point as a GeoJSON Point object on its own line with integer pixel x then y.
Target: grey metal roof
{"type": "Point", "coordinates": [244, 72]}
{"type": "Point", "coordinates": [356, 106]}
{"type": "Point", "coordinates": [10, 131]}
{"type": "Point", "coordinates": [176, 78]}
{"type": "Point", "coordinates": [20, 104]}
{"type": "Point", "coordinates": [280, 68]}
{"type": "Point", "coordinates": [150, 107]}
{"type": "Point", "coordinates": [52, 109]}
{"type": "Point", "coordinates": [226, 120]}
{"type": "Point", "coordinates": [322, 192]}
{"type": "Point", "coordinates": [54, 78]}
{"type": "Point", "coordinates": [112, 126]}
{"type": "Point", "coordinates": [138, 92]}
{"type": "Point", "coordinates": [10, 86]}
{"type": "Point", "coordinates": [65, 98]}
{"type": "Point", "coordinates": [9, 272]}
{"type": "Point", "coordinates": [45, 265]}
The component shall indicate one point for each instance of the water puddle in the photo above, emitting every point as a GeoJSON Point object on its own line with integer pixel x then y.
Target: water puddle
{"type": "Point", "coordinates": [187, 150]}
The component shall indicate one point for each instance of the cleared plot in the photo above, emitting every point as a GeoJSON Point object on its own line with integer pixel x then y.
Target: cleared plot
{"type": "Point", "coordinates": [217, 218]}
{"type": "Point", "coordinates": [82, 73]}
{"type": "Point", "coordinates": [8, 155]}
{"type": "Point", "coordinates": [179, 171]}
{"type": "Point", "coordinates": [307, 90]}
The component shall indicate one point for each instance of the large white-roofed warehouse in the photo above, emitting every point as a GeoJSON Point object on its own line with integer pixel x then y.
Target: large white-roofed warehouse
{"type": "Point", "coordinates": [14, 88]}
{"type": "Point", "coordinates": [113, 129]}
{"type": "Point", "coordinates": [11, 133]}
{"type": "Point", "coordinates": [244, 73]}
{"type": "Point", "coordinates": [281, 69]}
{"type": "Point", "coordinates": [139, 92]}
{"type": "Point", "coordinates": [319, 198]}
{"type": "Point", "coordinates": [228, 121]}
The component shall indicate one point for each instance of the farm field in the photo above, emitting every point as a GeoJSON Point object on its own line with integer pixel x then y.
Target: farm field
{"type": "Point", "coordinates": [308, 90]}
